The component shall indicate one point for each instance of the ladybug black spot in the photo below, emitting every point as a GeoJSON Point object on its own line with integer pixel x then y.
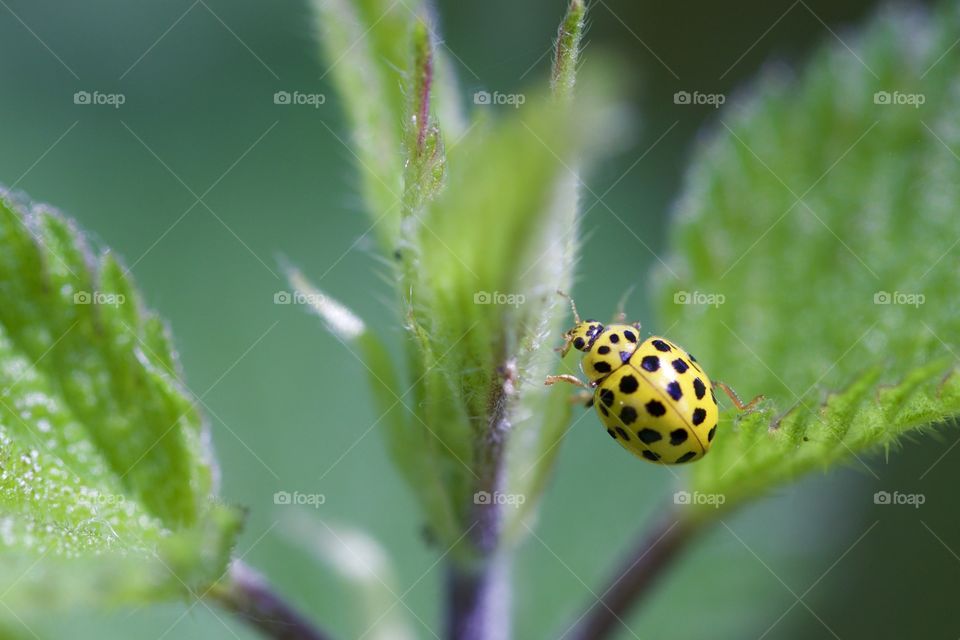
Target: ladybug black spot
{"type": "Point", "coordinates": [679, 365]}
{"type": "Point", "coordinates": [614, 338]}
{"type": "Point", "coordinates": [699, 388]}
{"type": "Point", "coordinates": [603, 350]}
{"type": "Point", "coordinates": [606, 397]}
{"type": "Point", "coordinates": [650, 455]}
{"type": "Point", "coordinates": [628, 384]}
{"type": "Point", "coordinates": [630, 336]}
{"type": "Point", "coordinates": [602, 367]}
{"type": "Point", "coordinates": [678, 436]}
{"type": "Point", "coordinates": [612, 434]}
{"type": "Point", "coordinates": [649, 436]}
{"type": "Point", "coordinates": [623, 434]}
{"type": "Point", "coordinates": [660, 345]}
{"type": "Point", "coordinates": [699, 415]}
{"type": "Point", "coordinates": [686, 457]}
{"type": "Point", "coordinates": [674, 391]}
{"type": "Point", "coordinates": [578, 343]}
{"type": "Point", "coordinates": [656, 408]}
{"type": "Point", "coordinates": [712, 433]}
{"type": "Point", "coordinates": [628, 415]}
{"type": "Point", "coordinates": [650, 363]}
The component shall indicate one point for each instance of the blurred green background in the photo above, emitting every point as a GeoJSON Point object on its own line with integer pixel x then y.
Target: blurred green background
{"type": "Point", "coordinates": [290, 402]}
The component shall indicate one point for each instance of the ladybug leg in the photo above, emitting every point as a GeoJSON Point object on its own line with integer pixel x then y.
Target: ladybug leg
{"type": "Point", "coordinates": [736, 399]}
{"type": "Point", "coordinates": [584, 396]}
{"type": "Point", "coordinates": [574, 380]}
{"type": "Point", "coordinates": [567, 343]}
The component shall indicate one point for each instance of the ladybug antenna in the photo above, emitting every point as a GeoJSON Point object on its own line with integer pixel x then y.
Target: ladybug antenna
{"type": "Point", "coordinates": [576, 316]}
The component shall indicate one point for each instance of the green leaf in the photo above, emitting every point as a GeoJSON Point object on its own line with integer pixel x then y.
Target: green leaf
{"type": "Point", "coordinates": [816, 239]}
{"type": "Point", "coordinates": [423, 143]}
{"type": "Point", "coordinates": [105, 474]}
{"type": "Point", "coordinates": [367, 48]}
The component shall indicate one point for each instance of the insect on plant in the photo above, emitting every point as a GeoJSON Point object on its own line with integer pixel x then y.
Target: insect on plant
{"type": "Point", "coordinates": [111, 496]}
{"type": "Point", "coordinates": [650, 395]}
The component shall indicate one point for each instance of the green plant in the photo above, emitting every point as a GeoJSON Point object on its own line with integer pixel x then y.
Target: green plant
{"type": "Point", "coordinates": [105, 478]}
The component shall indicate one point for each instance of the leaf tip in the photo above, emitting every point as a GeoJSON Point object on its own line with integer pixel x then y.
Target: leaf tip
{"type": "Point", "coordinates": [340, 321]}
{"type": "Point", "coordinates": [567, 51]}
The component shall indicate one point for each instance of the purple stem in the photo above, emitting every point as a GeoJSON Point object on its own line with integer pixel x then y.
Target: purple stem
{"type": "Point", "coordinates": [478, 601]}
{"type": "Point", "coordinates": [251, 598]}
{"type": "Point", "coordinates": [640, 569]}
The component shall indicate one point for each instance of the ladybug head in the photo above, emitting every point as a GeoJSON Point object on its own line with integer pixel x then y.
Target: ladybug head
{"type": "Point", "coordinates": [582, 335]}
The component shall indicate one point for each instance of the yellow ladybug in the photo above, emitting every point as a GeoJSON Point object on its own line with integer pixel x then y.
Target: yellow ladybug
{"type": "Point", "coordinates": [652, 396]}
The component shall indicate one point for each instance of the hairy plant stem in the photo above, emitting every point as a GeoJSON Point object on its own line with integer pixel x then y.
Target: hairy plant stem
{"type": "Point", "coordinates": [651, 555]}
{"type": "Point", "coordinates": [478, 588]}
{"type": "Point", "coordinates": [251, 598]}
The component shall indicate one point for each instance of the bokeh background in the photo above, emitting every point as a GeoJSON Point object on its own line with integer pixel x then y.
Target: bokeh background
{"type": "Point", "coordinates": [277, 184]}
